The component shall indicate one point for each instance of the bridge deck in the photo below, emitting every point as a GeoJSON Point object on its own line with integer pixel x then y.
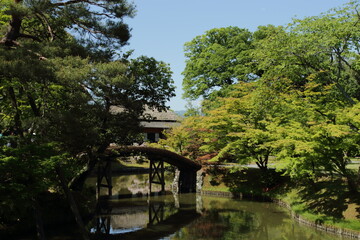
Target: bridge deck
{"type": "Point", "coordinates": [155, 154]}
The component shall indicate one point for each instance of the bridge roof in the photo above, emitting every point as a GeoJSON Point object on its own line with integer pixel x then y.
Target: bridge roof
{"type": "Point", "coordinates": [155, 154]}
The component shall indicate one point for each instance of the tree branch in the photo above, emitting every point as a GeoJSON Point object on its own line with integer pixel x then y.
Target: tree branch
{"type": "Point", "coordinates": [46, 24]}
{"type": "Point", "coordinates": [81, 25]}
{"type": "Point", "coordinates": [60, 4]}
{"type": "Point", "coordinates": [22, 35]}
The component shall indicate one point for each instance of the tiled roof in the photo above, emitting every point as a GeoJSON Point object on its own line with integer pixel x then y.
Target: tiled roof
{"type": "Point", "coordinates": [163, 119]}
{"type": "Point", "coordinates": [163, 115]}
{"type": "Point", "coordinates": [158, 124]}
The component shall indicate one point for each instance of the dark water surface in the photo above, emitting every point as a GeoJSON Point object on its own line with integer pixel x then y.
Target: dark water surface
{"type": "Point", "coordinates": [191, 216]}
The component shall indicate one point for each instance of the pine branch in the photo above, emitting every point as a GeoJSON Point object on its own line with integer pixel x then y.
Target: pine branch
{"type": "Point", "coordinates": [61, 4]}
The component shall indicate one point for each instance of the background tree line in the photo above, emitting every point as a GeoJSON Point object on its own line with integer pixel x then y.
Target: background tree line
{"type": "Point", "coordinates": [286, 92]}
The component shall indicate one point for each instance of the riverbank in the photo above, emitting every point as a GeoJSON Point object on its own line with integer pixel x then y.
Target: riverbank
{"type": "Point", "coordinates": [326, 205]}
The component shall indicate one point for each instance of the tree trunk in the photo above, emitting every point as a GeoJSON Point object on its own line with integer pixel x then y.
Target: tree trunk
{"type": "Point", "coordinates": [14, 30]}
{"type": "Point", "coordinates": [77, 183]}
{"type": "Point", "coordinates": [350, 179]}
{"type": "Point", "coordinates": [353, 187]}
{"type": "Point", "coordinates": [38, 220]}
{"type": "Point", "coordinates": [72, 204]}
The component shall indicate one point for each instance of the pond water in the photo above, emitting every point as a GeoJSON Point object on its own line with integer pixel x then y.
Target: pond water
{"type": "Point", "coordinates": [191, 216]}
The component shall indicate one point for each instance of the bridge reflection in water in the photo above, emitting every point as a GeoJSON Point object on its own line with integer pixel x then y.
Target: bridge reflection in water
{"type": "Point", "coordinates": [144, 218]}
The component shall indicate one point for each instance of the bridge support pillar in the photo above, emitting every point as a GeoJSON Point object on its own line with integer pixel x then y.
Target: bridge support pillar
{"type": "Point", "coordinates": [187, 181]}
{"type": "Point", "coordinates": [104, 172]}
{"type": "Point", "coordinates": [156, 174]}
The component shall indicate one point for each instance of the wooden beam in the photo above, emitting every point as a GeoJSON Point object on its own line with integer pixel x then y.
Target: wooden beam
{"type": "Point", "coordinates": [104, 172]}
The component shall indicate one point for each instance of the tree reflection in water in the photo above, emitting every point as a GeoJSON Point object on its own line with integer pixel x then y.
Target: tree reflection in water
{"type": "Point", "coordinates": [216, 224]}
{"type": "Point", "coordinates": [230, 219]}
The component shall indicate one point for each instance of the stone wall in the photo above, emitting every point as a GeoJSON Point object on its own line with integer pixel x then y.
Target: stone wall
{"type": "Point", "coordinates": [323, 227]}
{"type": "Point", "coordinates": [320, 226]}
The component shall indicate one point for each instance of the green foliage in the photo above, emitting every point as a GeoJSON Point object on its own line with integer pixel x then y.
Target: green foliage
{"type": "Point", "coordinates": [302, 107]}
{"type": "Point", "coordinates": [187, 138]}
{"type": "Point", "coordinates": [4, 16]}
{"type": "Point", "coordinates": [151, 78]}
{"type": "Point", "coordinates": [192, 110]}
{"type": "Point", "coordinates": [220, 58]}
{"type": "Point", "coordinates": [68, 99]}
{"type": "Point", "coordinates": [216, 59]}
{"type": "Point", "coordinates": [321, 49]}
{"type": "Point", "coordinates": [25, 173]}
{"type": "Point", "coordinates": [244, 125]}
{"type": "Point", "coordinates": [98, 24]}
{"type": "Point", "coordinates": [64, 100]}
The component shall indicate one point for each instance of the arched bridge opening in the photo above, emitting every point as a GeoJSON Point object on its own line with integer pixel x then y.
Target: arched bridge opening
{"type": "Point", "coordinates": [186, 168]}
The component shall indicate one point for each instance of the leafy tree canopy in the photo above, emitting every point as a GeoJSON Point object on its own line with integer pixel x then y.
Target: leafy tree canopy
{"type": "Point", "coordinates": [323, 49]}
{"type": "Point", "coordinates": [216, 59]}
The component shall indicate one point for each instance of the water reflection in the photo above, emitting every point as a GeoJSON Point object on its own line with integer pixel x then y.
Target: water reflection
{"type": "Point", "coordinates": [231, 219]}
{"type": "Point", "coordinates": [190, 216]}
{"type": "Point", "coordinates": [150, 218]}
{"type": "Point", "coordinates": [133, 185]}
{"type": "Point", "coordinates": [196, 217]}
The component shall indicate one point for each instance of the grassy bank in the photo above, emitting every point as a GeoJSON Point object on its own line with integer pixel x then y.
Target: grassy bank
{"type": "Point", "coordinates": [325, 202]}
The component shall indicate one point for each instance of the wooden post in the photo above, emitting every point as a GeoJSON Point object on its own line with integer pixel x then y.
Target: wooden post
{"type": "Point", "coordinates": [150, 175]}
{"type": "Point", "coordinates": [162, 177]}
{"type": "Point", "coordinates": [104, 172]}
{"type": "Point", "coordinates": [98, 182]}
{"type": "Point", "coordinates": [109, 177]}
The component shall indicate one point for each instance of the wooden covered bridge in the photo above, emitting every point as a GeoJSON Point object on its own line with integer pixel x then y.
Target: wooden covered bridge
{"type": "Point", "coordinates": [187, 169]}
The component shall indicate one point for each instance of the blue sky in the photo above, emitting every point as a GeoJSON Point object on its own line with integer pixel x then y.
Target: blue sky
{"type": "Point", "coordinates": [161, 27]}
